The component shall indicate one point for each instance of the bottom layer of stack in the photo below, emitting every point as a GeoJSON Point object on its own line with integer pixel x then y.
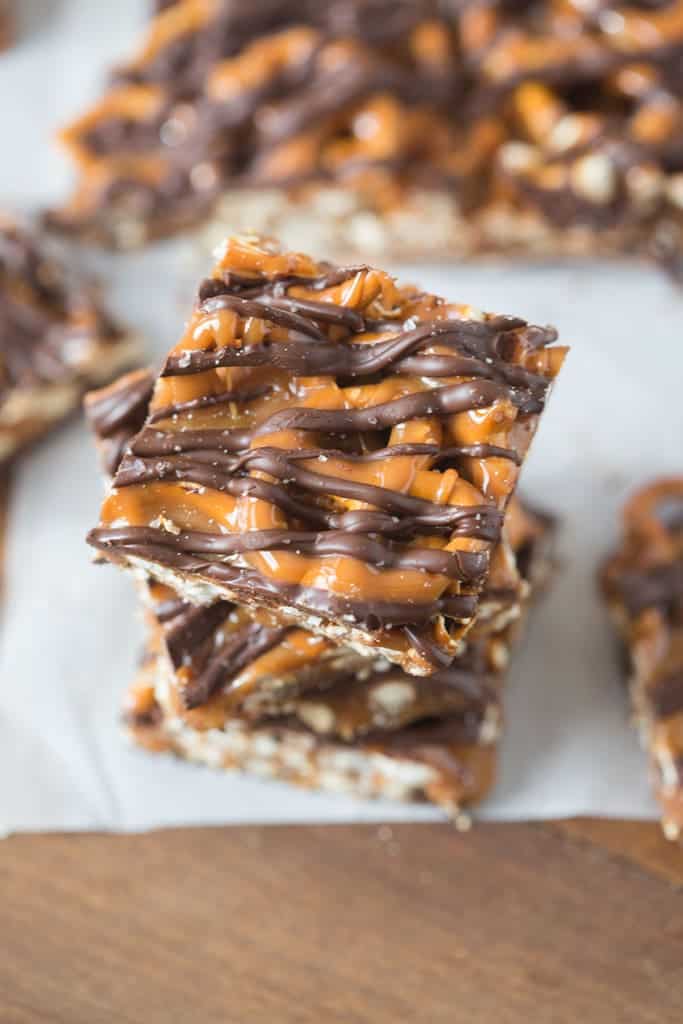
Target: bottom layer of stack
{"type": "Point", "coordinates": [234, 691]}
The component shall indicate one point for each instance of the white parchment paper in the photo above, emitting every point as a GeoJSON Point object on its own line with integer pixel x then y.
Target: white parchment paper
{"type": "Point", "coordinates": [70, 636]}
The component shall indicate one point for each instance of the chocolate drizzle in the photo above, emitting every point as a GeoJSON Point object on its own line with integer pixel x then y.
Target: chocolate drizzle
{"type": "Point", "coordinates": [117, 413]}
{"type": "Point", "coordinates": [190, 627]}
{"type": "Point", "coordinates": [203, 641]}
{"type": "Point", "coordinates": [468, 566]}
{"type": "Point", "coordinates": [477, 346]}
{"type": "Point", "coordinates": [158, 546]}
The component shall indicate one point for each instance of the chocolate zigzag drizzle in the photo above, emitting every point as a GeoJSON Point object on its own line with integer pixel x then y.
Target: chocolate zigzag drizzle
{"type": "Point", "coordinates": [117, 413]}
{"type": "Point", "coordinates": [123, 406]}
{"type": "Point", "coordinates": [229, 652]}
{"type": "Point", "coordinates": [477, 344]}
{"type": "Point", "coordinates": [155, 545]}
{"type": "Point", "coordinates": [458, 565]}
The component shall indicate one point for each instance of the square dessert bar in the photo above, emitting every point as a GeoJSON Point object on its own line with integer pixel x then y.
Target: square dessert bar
{"type": "Point", "coordinates": [405, 128]}
{"type": "Point", "coordinates": [642, 583]}
{"type": "Point", "coordinates": [332, 447]}
{"type": "Point", "coordinates": [305, 712]}
{"type": "Point", "coordinates": [56, 341]}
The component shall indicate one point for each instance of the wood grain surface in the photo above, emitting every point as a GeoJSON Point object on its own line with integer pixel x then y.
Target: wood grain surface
{"type": "Point", "coordinates": [574, 922]}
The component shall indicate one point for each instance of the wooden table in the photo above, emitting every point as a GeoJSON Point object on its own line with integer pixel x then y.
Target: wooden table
{"type": "Point", "coordinates": [572, 923]}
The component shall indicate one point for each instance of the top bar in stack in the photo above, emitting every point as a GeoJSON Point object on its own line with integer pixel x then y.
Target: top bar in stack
{"type": "Point", "coordinates": [333, 447]}
{"type": "Point", "coordinates": [399, 127]}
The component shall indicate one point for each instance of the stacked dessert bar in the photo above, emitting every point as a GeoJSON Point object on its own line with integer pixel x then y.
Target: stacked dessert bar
{"type": "Point", "coordinates": [56, 340]}
{"type": "Point", "coordinates": [642, 583]}
{"type": "Point", "coordinates": [316, 499]}
{"type": "Point", "coordinates": [405, 128]}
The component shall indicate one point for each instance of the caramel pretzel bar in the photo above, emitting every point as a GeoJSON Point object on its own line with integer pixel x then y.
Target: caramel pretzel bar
{"type": "Point", "coordinates": [642, 583]}
{"type": "Point", "coordinates": [331, 447]}
{"type": "Point", "coordinates": [371, 731]}
{"type": "Point", "coordinates": [56, 341]}
{"type": "Point", "coordinates": [409, 128]}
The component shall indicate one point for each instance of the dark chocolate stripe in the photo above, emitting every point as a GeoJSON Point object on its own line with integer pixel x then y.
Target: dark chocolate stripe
{"type": "Point", "coordinates": [239, 650]}
{"type": "Point", "coordinates": [326, 312]}
{"type": "Point", "coordinates": [467, 566]}
{"type": "Point", "coordinates": [155, 443]}
{"type": "Point", "coordinates": [273, 312]}
{"type": "Point", "coordinates": [166, 611]}
{"type": "Point", "coordinates": [258, 285]}
{"type": "Point", "coordinates": [444, 401]}
{"type": "Point", "coordinates": [432, 741]}
{"type": "Point", "coordinates": [328, 91]}
{"type": "Point", "coordinates": [485, 521]}
{"type": "Point", "coordinates": [143, 543]}
{"type": "Point", "coordinates": [475, 344]}
{"type": "Point", "coordinates": [425, 645]}
{"type": "Point", "coordinates": [122, 405]}
{"type": "Point", "coordinates": [666, 695]}
{"type": "Point", "coordinates": [192, 628]}
{"type": "Point", "coordinates": [159, 442]}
